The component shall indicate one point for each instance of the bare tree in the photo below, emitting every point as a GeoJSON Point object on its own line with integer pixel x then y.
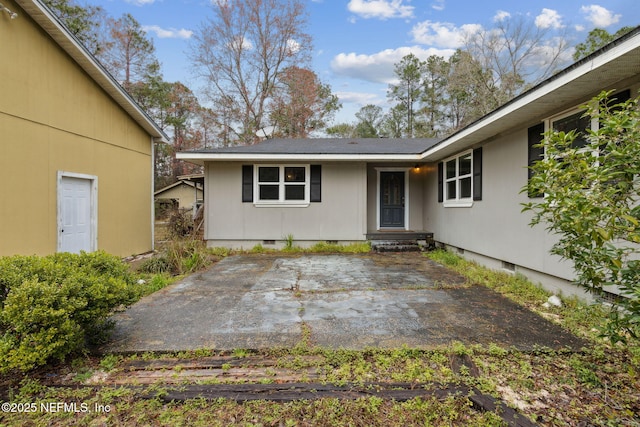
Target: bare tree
{"type": "Point", "coordinates": [518, 53]}
{"type": "Point", "coordinates": [470, 91]}
{"type": "Point", "coordinates": [243, 48]}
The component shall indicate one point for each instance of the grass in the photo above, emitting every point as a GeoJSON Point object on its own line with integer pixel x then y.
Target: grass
{"type": "Point", "coordinates": [575, 315]}
{"type": "Point", "coordinates": [599, 385]}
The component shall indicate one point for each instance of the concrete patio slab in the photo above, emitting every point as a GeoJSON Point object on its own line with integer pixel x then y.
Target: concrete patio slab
{"type": "Point", "coordinates": [341, 301]}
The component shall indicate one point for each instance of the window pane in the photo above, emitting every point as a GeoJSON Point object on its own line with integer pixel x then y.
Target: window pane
{"type": "Point", "coordinates": [464, 165]}
{"type": "Point", "coordinates": [574, 122]}
{"type": "Point", "coordinates": [269, 192]}
{"type": "Point", "coordinates": [294, 174]}
{"type": "Point", "coordinates": [269, 174]}
{"type": "Point", "coordinates": [451, 190]}
{"type": "Point", "coordinates": [465, 187]}
{"type": "Point", "coordinates": [451, 168]}
{"type": "Point", "coordinates": [294, 192]}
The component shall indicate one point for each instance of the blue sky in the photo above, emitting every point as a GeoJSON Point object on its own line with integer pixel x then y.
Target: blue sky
{"type": "Point", "coordinates": [356, 42]}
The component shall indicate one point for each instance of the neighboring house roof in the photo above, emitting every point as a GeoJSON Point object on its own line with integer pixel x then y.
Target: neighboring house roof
{"type": "Point", "coordinates": [43, 16]}
{"type": "Point", "coordinates": [342, 149]}
{"type": "Point", "coordinates": [176, 184]}
{"type": "Point", "coordinates": [579, 82]}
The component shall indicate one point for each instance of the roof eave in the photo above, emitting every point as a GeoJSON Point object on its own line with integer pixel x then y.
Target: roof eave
{"type": "Point", "coordinates": [50, 23]}
{"type": "Point", "coordinates": [201, 158]}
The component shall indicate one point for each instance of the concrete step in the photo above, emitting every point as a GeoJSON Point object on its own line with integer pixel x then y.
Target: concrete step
{"type": "Point", "coordinates": [395, 246]}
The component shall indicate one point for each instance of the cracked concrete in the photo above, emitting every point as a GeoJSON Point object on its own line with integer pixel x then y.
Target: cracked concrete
{"type": "Point", "coordinates": [345, 301]}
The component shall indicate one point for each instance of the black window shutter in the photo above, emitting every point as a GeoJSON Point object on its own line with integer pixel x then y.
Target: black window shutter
{"type": "Point", "coordinates": [440, 182]}
{"type": "Point", "coordinates": [534, 137]}
{"type": "Point", "coordinates": [316, 183]}
{"type": "Point", "coordinates": [477, 174]}
{"type": "Point", "coordinates": [247, 183]}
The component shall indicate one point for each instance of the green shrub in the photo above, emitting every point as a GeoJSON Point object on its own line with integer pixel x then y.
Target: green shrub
{"type": "Point", "coordinates": [186, 255]}
{"type": "Point", "coordinates": [155, 265]}
{"type": "Point", "coordinates": [51, 306]}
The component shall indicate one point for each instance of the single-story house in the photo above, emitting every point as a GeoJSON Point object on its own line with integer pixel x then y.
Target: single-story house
{"type": "Point", "coordinates": [465, 188]}
{"type": "Point", "coordinates": [76, 151]}
{"type": "Point", "coordinates": [186, 193]}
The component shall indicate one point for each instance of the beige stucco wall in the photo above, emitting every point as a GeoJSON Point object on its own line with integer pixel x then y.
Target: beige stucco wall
{"type": "Point", "coordinates": [495, 229]}
{"type": "Point", "coordinates": [340, 216]}
{"type": "Point", "coordinates": [494, 226]}
{"type": "Point", "coordinates": [53, 117]}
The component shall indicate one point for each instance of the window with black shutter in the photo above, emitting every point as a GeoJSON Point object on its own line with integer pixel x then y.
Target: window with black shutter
{"type": "Point", "coordinates": [440, 182]}
{"type": "Point", "coordinates": [477, 174]}
{"type": "Point", "coordinates": [247, 183]}
{"type": "Point", "coordinates": [535, 153]}
{"type": "Point", "coordinates": [316, 184]}
{"type": "Point", "coordinates": [285, 185]}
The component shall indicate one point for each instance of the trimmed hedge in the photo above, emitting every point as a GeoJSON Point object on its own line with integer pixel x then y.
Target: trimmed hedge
{"type": "Point", "coordinates": [53, 306]}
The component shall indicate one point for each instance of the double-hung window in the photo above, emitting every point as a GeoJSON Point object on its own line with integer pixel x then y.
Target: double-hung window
{"type": "Point", "coordinates": [282, 184]}
{"type": "Point", "coordinates": [458, 180]}
{"type": "Point", "coordinates": [577, 122]}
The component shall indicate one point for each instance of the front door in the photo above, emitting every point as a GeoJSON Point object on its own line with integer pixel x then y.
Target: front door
{"type": "Point", "coordinates": [392, 199]}
{"type": "Point", "coordinates": [75, 225]}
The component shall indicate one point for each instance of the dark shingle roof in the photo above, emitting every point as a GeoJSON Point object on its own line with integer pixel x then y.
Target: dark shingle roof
{"type": "Point", "coordinates": [311, 146]}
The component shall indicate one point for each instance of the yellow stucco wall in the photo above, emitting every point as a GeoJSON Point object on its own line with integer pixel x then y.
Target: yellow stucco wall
{"type": "Point", "coordinates": [54, 117]}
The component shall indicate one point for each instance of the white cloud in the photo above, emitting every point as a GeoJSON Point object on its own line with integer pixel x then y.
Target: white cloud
{"type": "Point", "coordinates": [381, 9]}
{"type": "Point", "coordinates": [140, 2]}
{"type": "Point", "coordinates": [168, 33]}
{"type": "Point", "coordinates": [501, 15]}
{"type": "Point", "coordinates": [549, 18]}
{"type": "Point", "coordinates": [599, 16]}
{"type": "Point", "coordinates": [379, 67]}
{"type": "Point", "coordinates": [442, 34]}
{"type": "Point", "coordinates": [438, 5]}
{"type": "Point", "coordinates": [359, 98]}
{"type": "Point", "coordinates": [293, 45]}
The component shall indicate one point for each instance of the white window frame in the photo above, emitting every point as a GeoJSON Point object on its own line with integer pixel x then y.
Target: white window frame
{"type": "Point", "coordinates": [548, 123]}
{"type": "Point", "coordinates": [457, 202]}
{"type": "Point", "coordinates": [281, 202]}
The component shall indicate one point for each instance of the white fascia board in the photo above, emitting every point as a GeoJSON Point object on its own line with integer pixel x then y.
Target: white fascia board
{"type": "Point", "coordinates": [258, 157]}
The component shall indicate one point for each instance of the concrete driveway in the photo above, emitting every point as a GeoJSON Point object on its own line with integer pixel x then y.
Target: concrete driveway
{"type": "Point", "coordinates": [336, 301]}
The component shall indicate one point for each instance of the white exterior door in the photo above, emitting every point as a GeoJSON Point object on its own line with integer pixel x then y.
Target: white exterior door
{"type": "Point", "coordinates": [76, 224]}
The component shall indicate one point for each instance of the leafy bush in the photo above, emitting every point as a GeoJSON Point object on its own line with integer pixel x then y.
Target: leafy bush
{"type": "Point", "coordinates": [591, 195]}
{"type": "Point", "coordinates": [51, 306]}
{"type": "Point", "coordinates": [181, 224]}
{"type": "Point", "coordinates": [186, 255]}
